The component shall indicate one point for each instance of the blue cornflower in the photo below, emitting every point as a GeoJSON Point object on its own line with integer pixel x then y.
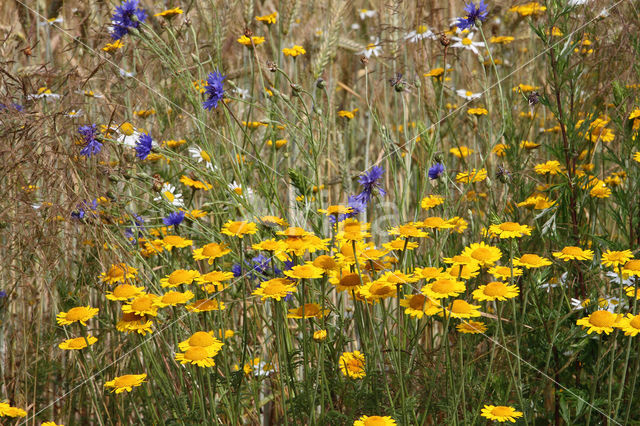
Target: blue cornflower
{"type": "Point", "coordinates": [3, 294]}
{"type": "Point", "coordinates": [436, 170]}
{"type": "Point", "coordinates": [143, 147]}
{"type": "Point", "coordinates": [128, 15]}
{"type": "Point", "coordinates": [369, 183]}
{"type": "Point", "coordinates": [82, 209]}
{"type": "Point", "coordinates": [92, 145]}
{"type": "Point", "coordinates": [237, 270]}
{"type": "Point", "coordinates": [474, 13]}
{"type": "Point", "coordinates": [260, 264]}
{"type": "Point", "coordinates": [214, 90]}
{"type": "Point", "coordinates": [13, 105]}
{"type": "Point", "coordinates": [174, 218]}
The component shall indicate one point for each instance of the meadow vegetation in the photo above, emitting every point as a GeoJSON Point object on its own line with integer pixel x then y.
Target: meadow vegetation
{"type": "Point", "coordinates": [291, 212]}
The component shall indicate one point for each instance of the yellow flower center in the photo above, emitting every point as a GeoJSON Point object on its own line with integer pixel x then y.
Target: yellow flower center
{"type": "Point", "coordinates": [76, 314]}
{"type": "Point", "coordinates": [127, 380]}
{"type": "Point", "coordinates": [115, 272]}
{"type": "Point", "coordinates": [173, 297]}
{"type": "Point", "coordinates": [196, 353]}
{"type": "Point", "coordinates": [126, 128]}
{"type": "Point", "coordinates": [468, 93]}
{"type": "Point", "coordinates": [77, 343]}
{"type": "Point", "coordinates": [179, 277]}
{"type": "Point", "coordinates": [238, 190]}
{"type": "Point", "coordinates": [502, 411]}
{"type": "Point", "coordinates": [482, 254]}
{"type": "Point", "coordinates": [633, 265]}
{"type": "Point", "coordinates": [466, 41]}
{"type": "Point", "coordinates": [354, 365]}
{"type": "Point", "coordinates": [635, 322]}
{"type": "Point", "coordinates": [169, 196]}
{"type": "Point", "coordinates": [371, 46]}
{"type": "Point", "coordinates": [350, 280]}
{"type": "Point", "coordinates": [443, 286]}
{"type": "Point", "coordinates": [125, 290]}
{"type": "Point", "coordinates": [201, 339]}
{"type": "Point", "coordinates": [510, 226]}
{"type": "Point", "coordinates": [421, 29]}
{"type": "Point", "coordinates": [274, 287]}
{"type": "Point", "coordinates": [530, 259]}
{"type": "Point", "coordinates": [495, 288]}
{"type": "Point", "coordinates": [310, 310]}
{"type": "Point", "coordinates": [211, 250]}
{"type": "Point", "coordinates": [324, 262]}
{"type": "Point", "coordinates": [379, 289]}
{"type": "Point", "coordinates": [375, 421]}
{"type": "Point", "coordinates": [237, 227]}
{"type": "Point", "coordinates": [572, 251]}
{"type": "Point", "coordinates": [142, 304]}
{"type": "Point", "coordinates": [417, 302]}
{"type": "Point", "coordinates": [461, 307]}
{"type": "Point", "coordinates": [602, 319]}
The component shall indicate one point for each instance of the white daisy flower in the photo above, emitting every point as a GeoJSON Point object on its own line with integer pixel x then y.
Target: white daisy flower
{"type": "Point", "coordinates": [615, 279]}
{"type": "Point", "coordinates": [240, 191]}
{"type": "Point", "coordinates": [168, 193]}
{"type": "Point", "coordinates": [51, 22]}
{"type": "Point", "coordinates": [355, 26]}
{"type": "Point", "coordinates": [610, 304]}
{"type": "Point", "coordinates": [45, 93]}
{"type": "Point", "coordinates": [467, 42]}
{"type": "Point", "coordinates": [420, 33]}
{"type": "Point", "coordinates": [242, 93]}
{"type": "Point", "coordinates": [466, 94]}
{"type": "Point", "coordinates": [126, 74]}
{"type": "Point", "coordinates": [128, 135]}
{"type": "Point", "coordinates": [263, 369]}
{"type": "Point", "coordinates": [364, 14]}
{"type": "Point", "coordinates": [74, 113]}
{"type": "Point", "coordinates": [371, 49]}
{"type": "Point", "coordinates": [577, 304]}
{"type": "Point", "coordinates": [201, 155]}
{"type": "Point", "coordinates": [90, 94]}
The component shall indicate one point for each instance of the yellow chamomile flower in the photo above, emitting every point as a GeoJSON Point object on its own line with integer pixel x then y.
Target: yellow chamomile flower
{"type": "Point", "coordinates": [294, 51]}
{"type": "Point", "coordinates": [276, 288]}
{"type": "Point", "coordinates": [352, 364]}
{"type": "Point", "coordinates": [510, 230]}
{"type": "Point", "coordinates": [573, 253]}
{"type": "Point", "coordinates": [126, 382]}
{"type": "Point", "coordinates": [495, 290]}
{"type": "Point", "coordinates": [374, 421]}
{"type": "Point", "coordinates": [501, 413]}
{"type": "Point", "coordinates": [600, 321]}
{"type": "Point", "coordinates": [77, 343]}
{"type": "Point", "coordinates": [616, 258]}
{"type": "Point", "coordinates": [80, 314]}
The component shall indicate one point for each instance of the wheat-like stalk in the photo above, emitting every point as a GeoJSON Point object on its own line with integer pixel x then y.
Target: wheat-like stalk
{"type": "Point", "coordinates": [329, 40]}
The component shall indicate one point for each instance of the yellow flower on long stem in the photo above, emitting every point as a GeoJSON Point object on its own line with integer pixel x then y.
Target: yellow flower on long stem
{"type": "Point", "coordinates": [276, 288]}
{"type": "Point", "coordinates": [126, 382]}
{"type": "Point", "coordinates": [501, 413]}
{"type": "Point", "coordinates": [616, 258]}
{"type": "Point", "coordinates": [352, 364]}
{"type": "Point", "coordinates": [80, 314]}
{"type": "Point", "coordinates": [495, 290]}
{"type": "Point", "coordinates": [77, 343]}
{"type": "Point", "coordinates": [239, 228]}
{"type": "Point", "coordinates": [600, 321]}
{"type": "Point", "coordinates": [573, 253]}
{"type": "Point", "coordinates": [510, 230]}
